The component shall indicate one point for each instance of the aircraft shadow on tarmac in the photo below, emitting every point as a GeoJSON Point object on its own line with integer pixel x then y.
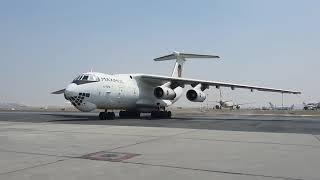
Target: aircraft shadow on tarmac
{"type": "Point", "coordinates": [280, 124]}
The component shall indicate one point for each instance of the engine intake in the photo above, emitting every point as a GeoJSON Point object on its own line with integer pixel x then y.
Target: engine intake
{"type": "Point", "coordinates": [195, 95]}
{"type": "Point", "coordinates": [166, 93]}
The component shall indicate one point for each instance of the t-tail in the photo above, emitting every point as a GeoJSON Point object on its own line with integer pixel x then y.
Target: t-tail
{"type": "Point", "coordinates": [271, 105]}
{"type": "Point", "coordinates": [292, 107]}
{"type": "Point", "coordinates": [180, 59]}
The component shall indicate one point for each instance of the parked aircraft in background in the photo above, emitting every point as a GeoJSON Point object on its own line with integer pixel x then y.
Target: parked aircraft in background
{"type": "Point", "coordinates": [136, 93]}
{"type": "Point", "coordinates": [311, 106]}
{"type": "Point", "coordinates": [227, 104]}
{"type": "Point", "coordinates": [274, 107]}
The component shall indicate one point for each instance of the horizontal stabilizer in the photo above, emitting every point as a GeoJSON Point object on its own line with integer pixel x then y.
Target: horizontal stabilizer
{"type": "Point", "coordinates": [59, 92]}
{"type": "Point", "coordinates": [177, 55]}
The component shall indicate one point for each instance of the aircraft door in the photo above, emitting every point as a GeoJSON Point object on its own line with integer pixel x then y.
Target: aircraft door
{"type": "Point", "coordinates": [121, 96]}
{"type": "Point", "coordinates": [106, 94]}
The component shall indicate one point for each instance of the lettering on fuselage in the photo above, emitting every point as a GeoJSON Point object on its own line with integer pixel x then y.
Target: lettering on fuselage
{"type": "Point", "coordinates": [111, 80]}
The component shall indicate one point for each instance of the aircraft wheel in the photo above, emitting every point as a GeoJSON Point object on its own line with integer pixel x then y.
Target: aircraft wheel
{"type": "Point", "coordinates": [137, 114]}
{"type": "Point", "coordinates": [154, 114]}
{"type": "Point", "coordinates": [128, 114]}
{"type": "Point", "coordinates": [102, 116]}
{"type": "Point", "coordinates": [122, 114]}
{"type": "Point", "coordinates": [169, 114]}
{"type": "Point", "coordinates": [161, 114]}
{"type": "Point", "coordinates": [110, 116]}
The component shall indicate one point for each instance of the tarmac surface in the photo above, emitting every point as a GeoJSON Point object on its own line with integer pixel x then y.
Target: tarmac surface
{"type": "Point", "coordinates": [73, 145]}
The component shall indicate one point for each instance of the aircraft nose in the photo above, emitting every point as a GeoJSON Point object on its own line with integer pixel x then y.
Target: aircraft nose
{"type": "Point", "coordinates": [70, 91]}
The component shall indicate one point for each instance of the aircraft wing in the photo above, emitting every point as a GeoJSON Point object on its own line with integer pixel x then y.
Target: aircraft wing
{"type": "Point", "coordinates": [159, 80]}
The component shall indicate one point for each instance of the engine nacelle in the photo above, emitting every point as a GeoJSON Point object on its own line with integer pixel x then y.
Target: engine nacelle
{"type": "Point", "coordinates": [195, 95]}
{"type": "Point", "coordinates": [162, 92]}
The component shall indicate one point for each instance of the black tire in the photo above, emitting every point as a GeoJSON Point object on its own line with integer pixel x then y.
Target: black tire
{"type": "Point", "coordinates": [129, 114]}
{"type": "Point", "coordinates": [113, 116]}
{"type": "Point", "coordinates": [110, 116]}
{"type": "Point", "coordinates": [153, 114]}
{"type": "Point", "coordinates": [161, 114]}
{"type": "Point", "coordinates": [169, 114]}
{"type": "Point", "coordinates": [122, 114]}
{"type": "Point", "coordinates": [137, 114]}
{"type": "Point", "coordinates": [102, 116]}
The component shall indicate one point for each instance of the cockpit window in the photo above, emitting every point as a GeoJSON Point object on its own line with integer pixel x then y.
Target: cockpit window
{"type": "Point", "coordinates": [86, 78]}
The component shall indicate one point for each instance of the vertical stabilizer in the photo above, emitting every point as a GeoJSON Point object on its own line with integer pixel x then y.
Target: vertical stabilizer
{"type": "Point", "coordinates": [177, 69]}
{"type": "Point", "coordinates": [271, 105]}
{"type": "Point", "coordinates": [180, 59]}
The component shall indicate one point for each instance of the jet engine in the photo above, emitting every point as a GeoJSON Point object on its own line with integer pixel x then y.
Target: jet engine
{"type": "Point", "coordinates": [196, 95]}
{"type": "Point", "coordinates": [163, 92]}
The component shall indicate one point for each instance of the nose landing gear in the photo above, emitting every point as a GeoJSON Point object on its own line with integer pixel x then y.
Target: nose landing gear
{"type": "Point", "coordinates": [106, 115]}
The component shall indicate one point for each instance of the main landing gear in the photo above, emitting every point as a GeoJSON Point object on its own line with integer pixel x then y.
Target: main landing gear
{"type": "Point", "coordinates": [133, 114]}
{"type": "Point", "coordinates": [129, 114]}
{"type": "Point", "coordinates": [161, 114]}
{"type": "Point", "coordinates": [106, 115]}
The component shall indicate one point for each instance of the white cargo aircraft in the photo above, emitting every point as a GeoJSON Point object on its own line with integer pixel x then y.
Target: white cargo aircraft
{"type": "Point", "coordinates": [228, 104]}
{"type": "Point", "coordinates": [137, 93]}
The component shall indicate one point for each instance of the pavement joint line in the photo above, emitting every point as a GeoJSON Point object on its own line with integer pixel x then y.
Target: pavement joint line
{"type": "Point", "coordinates": [31, 153]}
{"type": "Point", "coordinates": [35, 166]}
{"type": "Point", "coordinates": [265, 114]}
{"type": "Point", "coordinates": [78, 132]}
{"type": "Point", "coordinates": [147, 164]}
{"type": "Point", "coordinates": [212, 171]}
{"type": "Point", "coordinates": [283, 115]}
{"type": "Point", "coordinates": [257, 142]}
{"type": "Point", "coordinates": [151, 140]}
{"type": "Point", "coordinates": [318, 138]}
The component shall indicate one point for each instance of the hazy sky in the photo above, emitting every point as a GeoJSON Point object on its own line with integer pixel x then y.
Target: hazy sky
{"type": "Point", "coordinates": [45, 44]}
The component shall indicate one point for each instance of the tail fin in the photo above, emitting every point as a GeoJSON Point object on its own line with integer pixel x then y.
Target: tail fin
{"type": "Point", "coordinates": [271, 105]}
{"type": "Point", "coordinates": [180, 59]}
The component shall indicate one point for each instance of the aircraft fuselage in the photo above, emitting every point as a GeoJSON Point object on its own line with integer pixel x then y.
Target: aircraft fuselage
{"type": "Point", "coordinates": [122, 91]}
